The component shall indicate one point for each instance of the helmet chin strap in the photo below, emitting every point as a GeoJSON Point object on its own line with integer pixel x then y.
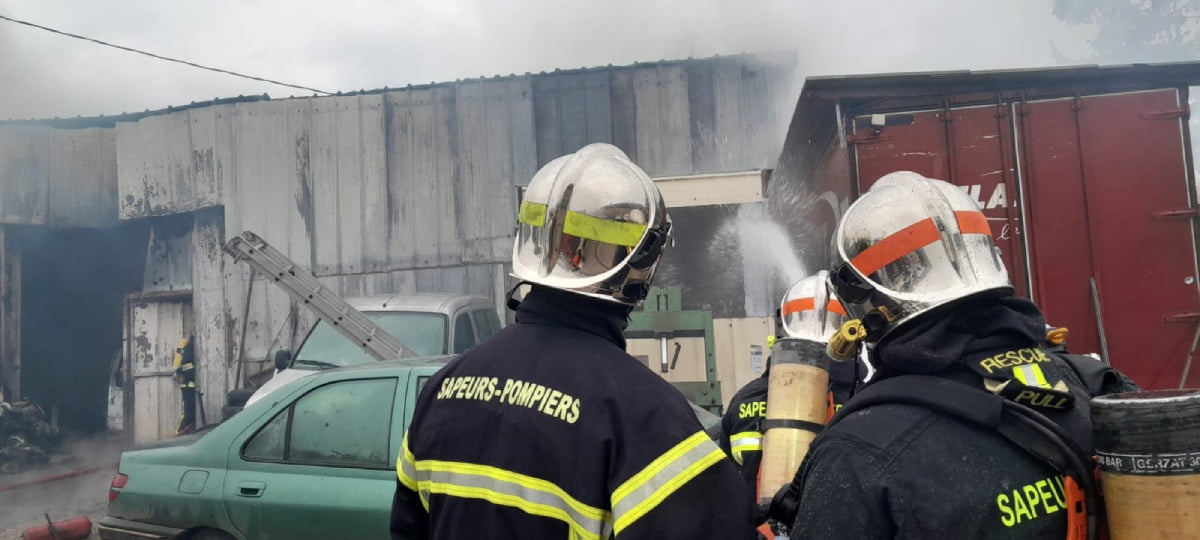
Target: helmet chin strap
{"type": "Point", "coordinates": [509, 301]}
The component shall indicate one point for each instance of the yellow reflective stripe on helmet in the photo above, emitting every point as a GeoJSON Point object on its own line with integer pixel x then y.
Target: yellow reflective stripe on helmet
{"type": "Point", "coordinates": [746, 441]}
{"type": "Point", "coordinates": [532, 213]}
{"type": "Point", "coordinates": [618, 233]}
{"type": "Point", "coordinates": [662, 477]}
{"type": "Point", "coordinates": [498, 486]}
{"type": "Point", "coordinates": [406, 469]}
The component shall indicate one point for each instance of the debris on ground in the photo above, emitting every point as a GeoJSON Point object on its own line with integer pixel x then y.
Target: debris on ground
{"type": "Point", "coordinates": [26, 437]}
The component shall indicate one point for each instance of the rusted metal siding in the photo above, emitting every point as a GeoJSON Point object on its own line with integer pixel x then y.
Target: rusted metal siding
{"type": "Point", "coordinates": [210, 310]}
{"type": "Point", "coordinates": [173, 163]}
{"type": "Point", "coordinates": [61, 178]}
{"type": "Point", "coordinates": [10, 315]}
{"type": "Point", "coordinates": [663, 126]}
{"type": "Point", "coordinates": [24, 174]}
{"type": "Point", "coordinates": [423, 174]}
{"type": "Point", "coordinates": [349, 184]}
{"type": "Point", "coordinates": [156, 328]}
{"type": "Point", "coordinates": [83, 178]}
{"type": "Point", "coordinates": [496, 152]}
{"type": "Point", "coordinates": [674, 118]}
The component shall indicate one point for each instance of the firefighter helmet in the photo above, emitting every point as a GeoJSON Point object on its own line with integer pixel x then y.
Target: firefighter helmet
{"type": "Point", "coordinates": [592, 223]}
{"type": "Point", "coordinates": [810, 311]}
{"type": "Point", "coordinates": [908, 246]}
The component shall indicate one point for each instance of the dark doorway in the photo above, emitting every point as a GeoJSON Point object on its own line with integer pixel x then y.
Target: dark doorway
{"type": "Point", "coordinates": [73, 284]}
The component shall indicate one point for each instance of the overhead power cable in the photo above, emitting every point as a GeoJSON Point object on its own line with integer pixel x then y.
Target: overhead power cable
{"type": "Point", "coordinates": [160, 57]}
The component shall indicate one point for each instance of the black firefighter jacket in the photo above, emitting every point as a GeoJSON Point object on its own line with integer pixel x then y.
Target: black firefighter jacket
{"type": "Point", "coordinates": [905, 472]}
{"type": "Point", "coordinates": [551, 430]}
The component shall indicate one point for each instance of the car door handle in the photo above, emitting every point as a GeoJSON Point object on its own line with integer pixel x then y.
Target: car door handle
{"type": "Point", "coordinates": [251, 489]}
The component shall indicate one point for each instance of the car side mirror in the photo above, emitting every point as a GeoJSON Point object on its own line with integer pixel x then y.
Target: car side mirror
{"type": "Point", "coordinates": [283, 359]}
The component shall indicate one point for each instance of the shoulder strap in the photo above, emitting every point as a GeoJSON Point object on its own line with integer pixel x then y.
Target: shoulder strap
{"type": "Point", "coordinates": [1097, 377]}
{"type": "Point", "coordinates": [934, 393]}
{"type": "Point", "coordinates": [1027, 429]}
{"type": "Point", "coordinates": [960, 401]}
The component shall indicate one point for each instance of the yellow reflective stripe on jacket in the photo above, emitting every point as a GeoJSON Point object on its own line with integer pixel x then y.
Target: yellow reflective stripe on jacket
{"type": "Point", "coordinates": [406, 469]}
{"type": "Point", "coordinates": [620, 233]}
{"type": "Point", "coordinates": [532, 213]}
{"type": "Point", "coordinates": [1031, 375]}
{"type": "Point", "coordinates": [746, 441]}
{"type": "Point", "coordinates": [662, 477]}
{"type": "Point", "coordinates": [526, 493]}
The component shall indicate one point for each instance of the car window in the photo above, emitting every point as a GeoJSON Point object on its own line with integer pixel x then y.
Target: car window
{"type": "Point", "coordinates": [464, 338]}
{"type": "Point", "coordinates": [343, 424]}
{"type": "Point", "coordinates": [421, 383]}
{"type": "Point", "coordinates": [486, 323]}
{"type": "Point", "coordinates": [268, 444]}
{"type": "Point", "coordinates": [424, 333]}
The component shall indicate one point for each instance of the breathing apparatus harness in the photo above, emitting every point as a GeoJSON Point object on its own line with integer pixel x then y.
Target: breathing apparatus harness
{"type": "Point", "coordinates": [1023, 426]}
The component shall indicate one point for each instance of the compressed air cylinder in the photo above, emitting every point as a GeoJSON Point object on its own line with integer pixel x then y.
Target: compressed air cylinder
{"type": "Point", "coordinates": [796, 392]}
{"type": "Point", "coordinates": [1148, 450]}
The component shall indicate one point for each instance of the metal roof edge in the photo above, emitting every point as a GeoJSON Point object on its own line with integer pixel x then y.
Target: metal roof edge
{"type": "Point", "coordinates": [109, 121]}
{"type": "Point", "coordinates": [80, 122]}
{"type": "Point", "coordinates": [1186, 73]}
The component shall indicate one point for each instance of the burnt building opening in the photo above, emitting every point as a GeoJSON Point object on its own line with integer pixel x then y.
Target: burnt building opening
{"type": "Point", "coordinates": [73, 284]}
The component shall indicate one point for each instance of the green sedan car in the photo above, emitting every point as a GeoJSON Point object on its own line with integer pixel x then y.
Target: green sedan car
{"type": "Point", "coordinates": [313, 460]}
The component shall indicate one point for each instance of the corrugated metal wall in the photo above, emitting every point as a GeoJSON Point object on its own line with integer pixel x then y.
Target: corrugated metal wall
{"type": "Point", "coordinates": [60, 178]}
{"type": "Point", "coordinates": [414, 190]}
{"type": "Point", "coordinates": [398, 191]}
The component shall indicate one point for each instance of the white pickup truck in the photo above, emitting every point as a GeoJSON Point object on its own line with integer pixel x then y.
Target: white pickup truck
{"type": "Point", "coordinates": [430, 324]}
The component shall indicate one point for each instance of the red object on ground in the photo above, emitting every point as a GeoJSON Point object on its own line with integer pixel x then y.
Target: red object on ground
{"type": "Point", "coordinates": [43, 480]}
{"type": "Point", "coordinates": [72, 529]}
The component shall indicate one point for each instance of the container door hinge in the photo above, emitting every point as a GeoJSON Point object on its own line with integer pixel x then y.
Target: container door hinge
{"type": "Point", "coordinates": [868, 138]}
{"type": "Point", "coordinates": [1180, 213]}
{"type": "Point", "coordinates": [1181, 317]}
{"type": "Point", "coordinates": [1167, 114]}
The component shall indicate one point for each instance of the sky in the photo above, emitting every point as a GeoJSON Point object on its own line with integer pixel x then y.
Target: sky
{"type": "Point", "coordinates": [363, 44]}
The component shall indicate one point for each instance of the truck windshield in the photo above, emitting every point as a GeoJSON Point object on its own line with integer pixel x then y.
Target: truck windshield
{"type": "Point", "coordinates": [424, 333]}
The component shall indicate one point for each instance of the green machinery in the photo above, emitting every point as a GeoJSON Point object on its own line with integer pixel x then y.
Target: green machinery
{"type": "Point", "coordinates": [663, 318]}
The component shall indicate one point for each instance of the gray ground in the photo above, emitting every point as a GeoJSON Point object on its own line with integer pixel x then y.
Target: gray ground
{"type": "Point", "coordinates": [83, 495]}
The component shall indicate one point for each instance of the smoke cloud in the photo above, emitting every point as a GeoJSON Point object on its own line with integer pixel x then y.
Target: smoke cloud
{"type": "Point", "coordinates": [362, 44]}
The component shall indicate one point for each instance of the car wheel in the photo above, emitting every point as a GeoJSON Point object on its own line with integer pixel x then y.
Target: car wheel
{"type": "Point", "coordinates": [239, 397]}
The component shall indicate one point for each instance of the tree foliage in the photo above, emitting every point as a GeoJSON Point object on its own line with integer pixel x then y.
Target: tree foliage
{"type": "Point", "coordinates": [1137, 30]}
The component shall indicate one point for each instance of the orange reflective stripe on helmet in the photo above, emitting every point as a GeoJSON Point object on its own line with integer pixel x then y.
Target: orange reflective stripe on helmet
{"type": "Point", "coordinates": [972, 223]}
{"type": "Point", "coordinates": [912, 238]}
{"type": "Point", "coordinates": [797, 305]}
{"type": "Point", "coordinates": [808, 304]}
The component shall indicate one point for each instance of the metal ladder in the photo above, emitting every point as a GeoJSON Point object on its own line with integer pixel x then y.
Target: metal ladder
{"type": "Point", "coordinates": [302, 286]}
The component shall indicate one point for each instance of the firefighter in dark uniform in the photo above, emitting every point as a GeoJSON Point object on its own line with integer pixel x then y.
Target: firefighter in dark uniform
{"type": "Point", "coordinates": [185, 375]}
{"type": "Point", "coordinates": [919, 270]}
{"type": "Point", "coordinates": [550, 429]}
{"type": "Point", "coordinates": [798, 316]}
{"type": "Point", "coordinates": [741, 429]}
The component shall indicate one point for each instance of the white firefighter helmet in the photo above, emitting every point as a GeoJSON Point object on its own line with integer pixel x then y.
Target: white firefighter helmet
{"type": "Point", "coordinates": [908, 246]}
{"type": "Point", "coordinates": [809, 311]}
{"type": "Point", "coordinates": [592, 223]}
